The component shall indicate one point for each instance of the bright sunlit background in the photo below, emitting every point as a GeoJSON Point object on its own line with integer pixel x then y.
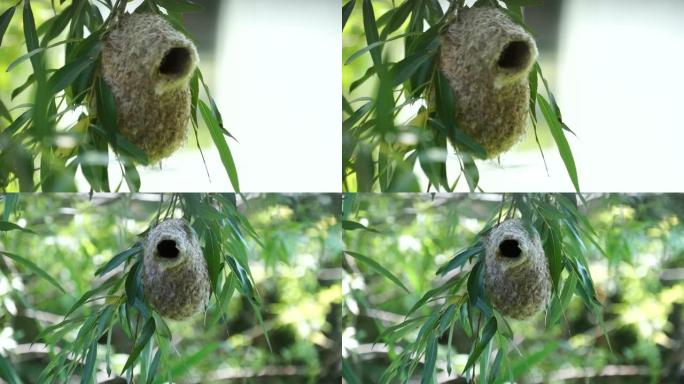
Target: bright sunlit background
{"type": "Point", "coordinates": [273, 68]}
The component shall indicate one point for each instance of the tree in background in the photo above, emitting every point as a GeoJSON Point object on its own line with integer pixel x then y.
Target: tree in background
{"type": "Point", "coordinates": [408, 116]}
{"type": "Point", "coordinates": [73, 307]}
{"type": "Point", "coordinates": [70, 121]}
{"type": "Point", "coordinates": [416, 310]}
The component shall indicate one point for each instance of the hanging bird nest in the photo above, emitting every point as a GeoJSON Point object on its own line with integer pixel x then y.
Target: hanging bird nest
{"type": "Point", "coordinates": [486, 58]}
{"type": "Point", "coordinates": [517, 277]}
{"type": "Point", "coordinates": [148, 66]}
{"type": "Point", "coordinates": [175, 277]}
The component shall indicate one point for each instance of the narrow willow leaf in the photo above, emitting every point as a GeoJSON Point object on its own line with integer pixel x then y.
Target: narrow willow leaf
{"type": "Point", "coordinates": [154, 366]}
{"type": "Point", "coordinates": [106, 109]}
{"type": "Point", "coordinates": [33, 267]}
{"type": "Point", "coordinates": [349, 225]}
{"type": "Point", "coordinates": [6, 226]}
{"type": "Point", "coordinates": [377, 267]}
{"type": "Point", "coordinates": [560, 304]}
{"type": "Point", "coordinates": [119, 258]}
{"type": "Point", "coordinates": [346, 11]}
{"type": "Point", "coordinates": [67, 74]}
{"type": "Point", "coordinates": [487, 334]}
{"type": "Point", "coordinates": [397, 18]}
{"type": "Point", "coordinates": [7, 373]}
{"type": "Point", "coordinates": [430, 360]}
{"type": "Point", "coordinates": [212, 254]}
{"type": "Point", "coordinates": [31, 37]}
{"type": "Point", "coordinates": [89, 366]}
{"type": "Point", "coordinates": [4, 112]}
{"type": "Point", "coordinates": [11, 200]}
{"type": "Point", "coordinates": [143, 339]}
{"type": "Point", "coordinates": [182, 366]}
{"type": "Point", "coordinates": [180, 5]}
{"type": "Point", "coordinates": [461, 258]}
{"type": "Point", "coordinates": [404, 69]}
{"type": "Point", "coordinates": [559, 137]}
{"type": "Point", "coordinates": [470, 171]}
{"type": "Point", "coordinates": [524, 365]}
{"type": "Point", "coordinates": [221, 144]}
{"type": "Point", "coordinates": [132, 177]}
{"type": "Point", "coordinates": [371, 31]}
{"type": "Point", "coordinates": [5, 19]}
{"type": "Point", "coordinates": [58, 23]}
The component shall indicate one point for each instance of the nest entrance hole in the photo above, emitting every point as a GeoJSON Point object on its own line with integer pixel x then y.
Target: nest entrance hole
{"type": "Point", "coordinates": [510, 249]}
{"type": "Point", "coordinates": [515, 56]}
{"type": "Point", "coordinates": [166, 249]}
{"type": "Point", "coordinates": [176, 62]}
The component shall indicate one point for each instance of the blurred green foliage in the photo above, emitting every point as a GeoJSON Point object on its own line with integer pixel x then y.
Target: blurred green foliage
{"type": "Point", "coordinates": [293, 257]}
{"type": "Point", "coordinates": [638, 280]}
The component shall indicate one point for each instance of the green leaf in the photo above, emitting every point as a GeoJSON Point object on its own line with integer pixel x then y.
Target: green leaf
{"type": "Point", "coordinates": [118, 259]}
{"type": "Point", "coordinates": [180, 5]}
{"type": "Point", "coordinates": [4, 112]}
{"type": "Point", "coordinates": [371, 31]}
{"type": "Point", "coordinates": [559, 137]}
{"type": "Point", "coordinates": [559, 305]}
{"type": "Point", "coordinates": [475, 282]}
{"type": "Point", "coordinates": [106, 109]}
{"type": "Point", "coordinates": [7, 373]}
{"type": "Point", "coordinates": [397, 18]}
{"type": "Point", "coordinates": [31, 35]}
{"type": "Point", "coordinates": [377, 267]}
{"type": "Point", "coordinates": [11, 200]}
{"type": "Point", "coordinates": [430, 360]}
{"type": "Point", "coordinates": [404, 69]}
{"type": "Point", "coordinates": [132, 177]}
{"type": "Point", "coordinates": [143, 339]}
{"type": "Point", "coordinates": [487, 334]}
{"type": "Point", "coordinates": [349, 225]}
{"type": "Point", "coordinates": [524, 365]}
{"type": "Point", "coordinates": [67, 74]}
{"type": "Point", "coordinates": [6, 226]}
{"type": "Point", "coordinates": [472, 175]}
{"type": "Point", "coordinates": [212, 253]}
{"type": "Point", "coordinates": [182, 366]}
{"type": "Point", "coordinates": [461, 258]}
{"type": "Point", "coordinates": [346, 11]}
{"type": "Point", "coordinates": [221, 144]}
{"type": "Point", "coordinates": [33, 267]}
{"type": "Point", "coordinates": [154, 367]}
{"type": "Point", "coordinates": [58, 23]}
{"type": "Point", "coordinates": [5, 19]}
{"type": "Point", "coordinates": [89, 367]}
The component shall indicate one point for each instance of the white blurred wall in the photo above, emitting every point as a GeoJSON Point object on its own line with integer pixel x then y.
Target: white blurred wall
{"type": "Point", "coordinates": [620, 84]}
{"type": "Point", "coordinates": [278, 83]}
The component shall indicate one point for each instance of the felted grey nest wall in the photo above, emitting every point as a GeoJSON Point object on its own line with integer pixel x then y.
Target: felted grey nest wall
{"type": "Point", "coordinates": [486, 59]}
{"type": "Point", "coordinates": [175, 277]}
{"type": "Point", "coordinates": [148, 65]}
{"type": "Point", "coordinates": [517, 276]}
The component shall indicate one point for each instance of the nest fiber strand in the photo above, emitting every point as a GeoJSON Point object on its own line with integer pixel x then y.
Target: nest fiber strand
{"type": "Point", "coordinates": [486, 58]}
{"type": "Point", "coordinates": [517, 277]}
{"type": "Point", "coordinates": [148, 65]}
{"type": "Point", "coordinates": [175, 277]}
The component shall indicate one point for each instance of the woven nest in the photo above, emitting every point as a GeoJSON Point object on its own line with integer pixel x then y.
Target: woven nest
{"type": "Point", "coordinates": [148, 65]}
{"type": "Point", "coordinates": [517, 276]}
{"type": "Point", "coordinates": [175, 278]}
{"type": "Point", "coordinates": [486, 59]}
